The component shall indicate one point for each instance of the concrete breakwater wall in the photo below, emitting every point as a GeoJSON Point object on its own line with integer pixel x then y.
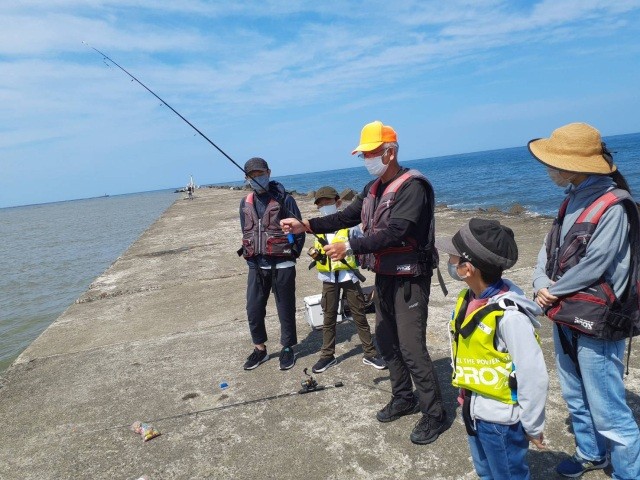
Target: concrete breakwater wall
{"type": "Point", "coordinates": [156, 334]}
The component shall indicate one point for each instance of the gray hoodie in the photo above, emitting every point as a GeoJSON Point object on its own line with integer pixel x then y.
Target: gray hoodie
{"type": "Point", "coordinates": [608, 252]}
{"type": "Point", "coordinates": [515, 334]}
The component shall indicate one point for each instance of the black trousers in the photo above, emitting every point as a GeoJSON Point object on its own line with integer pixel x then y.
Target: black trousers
{"type": "Point", "coordinates": [260, 282]}
{"type": "Point", "coordinates": [401, 330]}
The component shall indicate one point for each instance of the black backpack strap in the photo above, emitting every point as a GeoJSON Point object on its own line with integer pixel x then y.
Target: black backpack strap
{"type": "Point", "coordinates": [441, 281]}
{"type": "Point", "coordinates": [570, 347]}
{"type": "Point", "coordinates": [466, 414]}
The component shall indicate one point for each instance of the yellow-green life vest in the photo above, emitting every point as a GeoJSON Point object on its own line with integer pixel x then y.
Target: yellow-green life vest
{"type": "Point", "coordinates": [328, 265]}
{"type": "Point", "coordinates": [477, 365]}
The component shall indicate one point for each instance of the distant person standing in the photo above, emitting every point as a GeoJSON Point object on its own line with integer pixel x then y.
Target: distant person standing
{"type": "Point", "coordinates": [190, 191]}
{"type": "Point", "coordinates": [339, 278]}
{"type": "Point", "coordinates": [584, 262]}
{"type": "Point", "coordinates": [271, 257]}
{"type": "Point", "coordinates": [396, 210]}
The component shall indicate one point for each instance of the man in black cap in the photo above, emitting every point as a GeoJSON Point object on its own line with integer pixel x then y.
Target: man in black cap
{"type": "Point", "coordinates": [497, 360]}
{"type": "Point", "coordinates": [271, 257]}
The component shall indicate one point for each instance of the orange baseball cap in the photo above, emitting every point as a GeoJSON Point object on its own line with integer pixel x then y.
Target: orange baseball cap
{"type": "Point", "coordinates": [373, 135]}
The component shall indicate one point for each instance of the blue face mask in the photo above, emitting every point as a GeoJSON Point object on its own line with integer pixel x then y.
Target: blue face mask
{"type": "Point", "coordinates": [260, 183]}
{"type": "Point", "coordinates": [453, 271]}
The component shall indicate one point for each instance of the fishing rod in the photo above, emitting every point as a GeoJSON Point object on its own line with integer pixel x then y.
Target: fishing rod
{"type": "Point", "coordinates": [309, 385]}
{"type": "Point", "coordinates": [322, 241]}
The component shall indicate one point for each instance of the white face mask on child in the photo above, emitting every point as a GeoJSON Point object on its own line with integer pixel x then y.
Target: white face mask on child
{"type": "Point", "coordinates": [328, 210]}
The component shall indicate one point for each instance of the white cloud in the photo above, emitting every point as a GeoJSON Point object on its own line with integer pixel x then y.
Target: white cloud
{"type": "Point", "coordinates": [223, 63]}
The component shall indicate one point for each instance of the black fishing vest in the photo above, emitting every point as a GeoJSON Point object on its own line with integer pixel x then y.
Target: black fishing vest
{"type": "Point", "coordinates": [263, 236]}
{"type": "Point", "coordinates": [408, 259]}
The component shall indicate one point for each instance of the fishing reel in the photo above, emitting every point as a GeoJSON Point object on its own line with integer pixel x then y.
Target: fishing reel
{"type": "Point", "coordinates": [308, 384]}
{"type": "Point", "coordinates": [317, 255]}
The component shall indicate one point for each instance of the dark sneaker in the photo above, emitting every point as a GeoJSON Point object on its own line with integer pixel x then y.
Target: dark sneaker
{"type": "Point", "coordinates": [256, 358]}
{"type": "Point", "coordinates": [397, 408]}
{"type": "Point", "coordinates": [575, 466]}
{"type": "Point", "coordinates": [375, 361]}
{"type": "Point", "coordinates": [428, 429]}
{"type": "Point", "coordinates": [287, 358]}
{"type": "Point", "coordinates": [324, 363]}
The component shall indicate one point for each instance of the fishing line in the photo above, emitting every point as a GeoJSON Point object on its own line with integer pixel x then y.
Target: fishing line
{"type": "Point", "coordinates": [307, 387]}
{"type": "Point", "coordinates": [322, 241]}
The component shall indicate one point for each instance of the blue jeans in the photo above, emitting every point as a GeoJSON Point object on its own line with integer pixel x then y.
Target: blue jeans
{"type": "Point", "coordinates": [499, 452]}
{"type": "Point", "coordinates": [597, 405]}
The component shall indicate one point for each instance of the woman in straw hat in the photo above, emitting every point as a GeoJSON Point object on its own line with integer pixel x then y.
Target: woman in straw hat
{"type": "Point", "coordinates": [590, 369]}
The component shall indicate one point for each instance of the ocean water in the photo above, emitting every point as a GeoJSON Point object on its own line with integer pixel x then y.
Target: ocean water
{"type": "Point", "coordinates": [497, 178]}
{"type": "Point", "coordinates": [49, 254]}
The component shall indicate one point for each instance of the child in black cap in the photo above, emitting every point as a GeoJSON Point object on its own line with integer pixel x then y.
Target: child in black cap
{"type": "Point", "coordinates": [497, 360]}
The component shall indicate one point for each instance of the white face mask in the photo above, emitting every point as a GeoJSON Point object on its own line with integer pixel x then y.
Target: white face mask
{"type": "Point", "coordinates": [375, 166]}
{"type": "Point", "coordinates": [328, 210]}
{"type": "Point", "coordinates": [557, 178]}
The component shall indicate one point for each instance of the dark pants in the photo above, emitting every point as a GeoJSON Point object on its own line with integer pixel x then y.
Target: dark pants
{"type": "Point", "coordinates": [355, 298]}
{"type": "Point", "coordinates": [259, 284]}
{"type": "Point", "coordinates": [401, 333]}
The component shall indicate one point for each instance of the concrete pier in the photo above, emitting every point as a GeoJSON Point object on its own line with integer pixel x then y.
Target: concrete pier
{"type": "Point", "coordinates": [156, 334]}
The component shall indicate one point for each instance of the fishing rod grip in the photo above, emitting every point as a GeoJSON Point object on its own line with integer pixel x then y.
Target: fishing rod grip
{"type": "Point", "coordinates": [357, 273]}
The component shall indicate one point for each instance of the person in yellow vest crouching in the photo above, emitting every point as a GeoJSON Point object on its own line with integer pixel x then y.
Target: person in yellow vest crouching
{"type": "Point", "coordinates": [497, 360]}
{"type": "Point", "coordinates": [337, 277]}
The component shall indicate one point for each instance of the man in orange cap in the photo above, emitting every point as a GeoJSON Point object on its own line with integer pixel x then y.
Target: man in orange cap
{"type": "Point", "coordinates": [396, 212]}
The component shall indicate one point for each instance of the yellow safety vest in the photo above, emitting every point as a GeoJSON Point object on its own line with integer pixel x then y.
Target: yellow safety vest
{"type": "Point", "coordinates": [477, 365]}
{"type": "Point", "coordinates": [328, 265]}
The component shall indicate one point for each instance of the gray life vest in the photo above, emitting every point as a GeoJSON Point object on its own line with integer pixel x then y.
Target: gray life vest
{"type": "Point", "coordinates": [263, 236]}
{"type": "Point", "coordinates": [595, 310]}
{"type": "Point", "coordinates": [410, 258]}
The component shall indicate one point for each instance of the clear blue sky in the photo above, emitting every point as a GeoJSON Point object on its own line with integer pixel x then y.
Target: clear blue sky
{"type": "Point", "coordinates": [294, 82]}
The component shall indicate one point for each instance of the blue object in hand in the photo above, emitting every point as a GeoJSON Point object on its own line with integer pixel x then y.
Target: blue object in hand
{"type": "Point", "coordinates": [290, 238]}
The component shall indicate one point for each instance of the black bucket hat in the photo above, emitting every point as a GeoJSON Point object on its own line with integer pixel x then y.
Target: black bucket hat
{"type": "Point", "coordinates": [486, 244]}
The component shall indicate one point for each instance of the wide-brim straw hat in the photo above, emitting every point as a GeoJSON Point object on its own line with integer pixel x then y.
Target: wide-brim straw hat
{"type": "Point", "coordinates": [576, 147]}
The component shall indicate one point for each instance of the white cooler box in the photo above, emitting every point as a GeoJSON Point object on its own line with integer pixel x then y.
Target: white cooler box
{"type": "Point", "coordinates": [313, 312]}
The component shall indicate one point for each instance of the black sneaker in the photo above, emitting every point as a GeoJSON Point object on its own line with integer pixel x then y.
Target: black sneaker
{"type": "Point", "coordinates": [428, 429]}
{"type": "Point", "coordinates": [324, 363]}
{"type": "Point", "coordinates": [256, 358]}
{"type": "Point", "coordinates": [375, 361]}
{"type": "Point", "coordinates": [287, 358]}
{"type": "Point", "coordinates": [397, 408]}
